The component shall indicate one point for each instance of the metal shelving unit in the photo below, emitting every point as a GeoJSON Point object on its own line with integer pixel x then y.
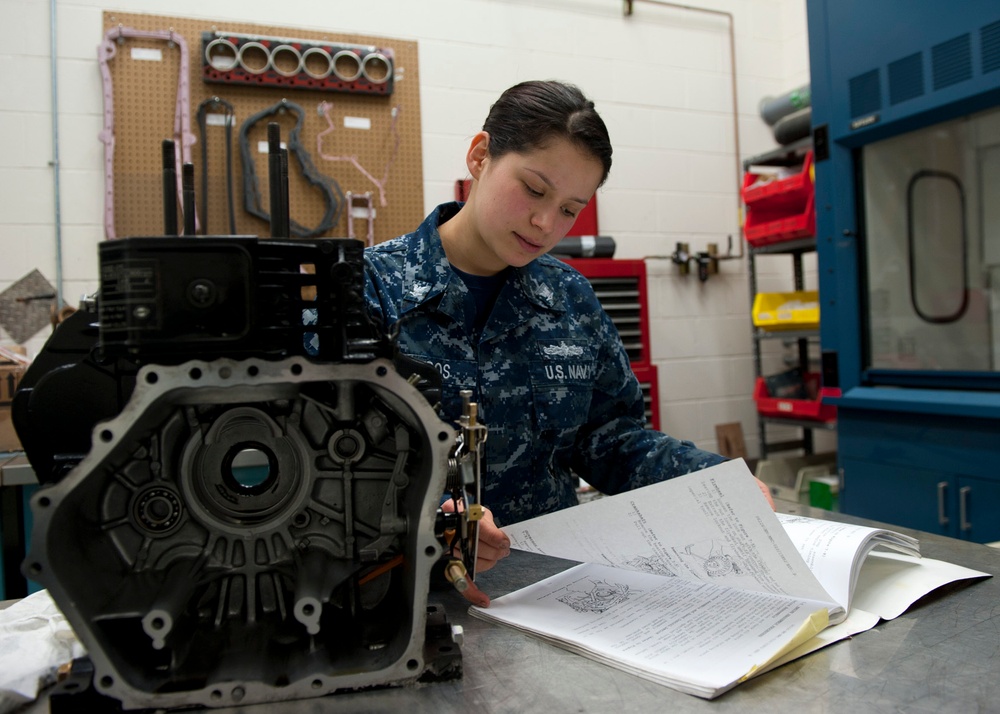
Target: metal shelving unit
{"type": "Point", "coordinates": [795, 248]}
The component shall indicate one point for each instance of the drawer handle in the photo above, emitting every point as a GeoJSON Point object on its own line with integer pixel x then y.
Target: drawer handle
{"type": "Point", "coordinates": [963, 509]}
{"type": "Point", "coordinates": [942, 490]}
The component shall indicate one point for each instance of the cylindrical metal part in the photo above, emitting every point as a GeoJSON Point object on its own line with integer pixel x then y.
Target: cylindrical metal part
{"type": "Point", "coordinates": [793, 127]}
{"type": "Point", "coordinates": [346, 65]}
{"type": "Point", "coordinates": [276, 193]}
{"type": "Point", "coordinates": [187, 185]}
{"type": "Point", "coordinates": [774, 108]}
{"type": "Point", "coordinates": [286, 60]}
{"type": "Point", "coordinates": [586, 247]}
{"type": "Point", "coordinates": [221, 55]}
{"type": "Point", "coordinates": [317, 63]}
{"type": "Point", "coordinates": [254, 58]}
{"type": "Point", "coordinates": [169, 188]}
{"type": "Point", "coordinates": [376, 68]}
{"type": "Point", "coordinates": [286, 211]}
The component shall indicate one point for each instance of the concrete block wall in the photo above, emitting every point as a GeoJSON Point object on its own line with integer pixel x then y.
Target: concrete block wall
{"type": "Point", "coordinates": [661, 78]}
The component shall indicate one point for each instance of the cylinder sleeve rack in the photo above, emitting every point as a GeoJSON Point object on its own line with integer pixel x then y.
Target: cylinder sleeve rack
{"type": "Point", "coordinates": [236, 58]}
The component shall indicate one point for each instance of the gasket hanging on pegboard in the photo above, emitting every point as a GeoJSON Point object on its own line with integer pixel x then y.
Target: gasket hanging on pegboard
{"type": "Point", "coordinates": [236, 58]}
{"type": "Point", "coordinates": [332, 195]}
{"type": "Point", "coordinates": [324, 111]}
{"type": "Point", "coordinates": [229, 118]}
{"type": "Point", "coordinates": [182, 113]}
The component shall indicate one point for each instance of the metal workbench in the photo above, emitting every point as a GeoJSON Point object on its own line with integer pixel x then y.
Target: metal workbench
{"type": "Point", "coordinates": [942, 655]}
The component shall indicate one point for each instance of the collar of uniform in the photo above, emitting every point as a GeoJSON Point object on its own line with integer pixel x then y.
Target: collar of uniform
{"type": "Point", "coordinates": [427, 273]}
{"type": "Point", "coordinates": [536, 280]}
{"type": "Point", "coordinates": [526, 292]}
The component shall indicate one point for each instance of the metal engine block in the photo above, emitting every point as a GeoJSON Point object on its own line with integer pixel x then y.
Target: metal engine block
{"type": "Point", "coordinates": [231, 516]}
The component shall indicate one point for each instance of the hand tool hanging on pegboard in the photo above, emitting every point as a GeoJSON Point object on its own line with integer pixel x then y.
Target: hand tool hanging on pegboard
{"type": "Point", "coordinates": [228, 118]}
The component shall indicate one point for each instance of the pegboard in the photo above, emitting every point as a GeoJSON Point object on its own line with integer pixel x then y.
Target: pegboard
{"type": "Point", "coordinates": [145, 93]}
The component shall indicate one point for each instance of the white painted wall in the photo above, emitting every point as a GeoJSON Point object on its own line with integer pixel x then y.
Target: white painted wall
{"type": "Point", "coordinates": [661, 79]}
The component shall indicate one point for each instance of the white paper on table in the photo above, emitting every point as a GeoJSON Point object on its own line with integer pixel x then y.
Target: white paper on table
{"type": "Point", "coordinates": [835, 552]}
{"type": "Point", "coordinates": [697, 637]}
{"type": "Point", "coordinates": [35, 640]}
{"type": "Point", "coordinates": [886, 586]}
{"type": "Point", "coordinates": [890, 582]}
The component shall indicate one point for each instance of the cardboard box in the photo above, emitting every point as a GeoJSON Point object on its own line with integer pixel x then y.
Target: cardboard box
{"type": "Point", "coordinates": [10, 377]}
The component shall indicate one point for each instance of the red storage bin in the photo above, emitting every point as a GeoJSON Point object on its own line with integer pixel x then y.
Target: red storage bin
{"type": "Point", "coordinates": [811, 409]}
{"type": "Point", "coordinates": [780, 209]}
{"type": "Point", "coordinates": [791, 190]}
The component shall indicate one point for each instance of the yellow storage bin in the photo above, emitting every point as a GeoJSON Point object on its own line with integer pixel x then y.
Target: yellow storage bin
{"type": "Point", "coordinates": [787, 311]}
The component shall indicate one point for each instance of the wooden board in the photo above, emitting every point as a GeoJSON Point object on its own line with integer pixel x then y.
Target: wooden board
{"type": "Point", "coordinates": [145, 99]}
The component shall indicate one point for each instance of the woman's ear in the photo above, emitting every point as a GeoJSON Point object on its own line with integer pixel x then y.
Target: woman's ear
{"type": "Point", "coordinates": [479, 152]}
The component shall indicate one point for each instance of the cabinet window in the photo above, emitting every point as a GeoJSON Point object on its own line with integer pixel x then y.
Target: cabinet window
{"type": "Point", "coordinates": [932, 247]}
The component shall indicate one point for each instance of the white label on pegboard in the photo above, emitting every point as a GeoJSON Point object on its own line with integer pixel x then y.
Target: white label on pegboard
{"type": "Point", "coordinates": [357, 123]}
{"type": "Point", "coordinates": [263, 147]}
{"type": "Point", "coordinates": [362, 212]}
{"type": "Point", "coordinates": [217, 119]}
{"type": "Point", "coordinates": [150, 54]}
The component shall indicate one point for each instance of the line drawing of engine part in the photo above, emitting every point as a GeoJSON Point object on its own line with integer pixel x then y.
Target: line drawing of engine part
{"type": "Point", "coordinates": [325, 108]}
{"type": "Point", "coordinates": [182, 115]}
{"type": "Point", "coordinates": [237, 58]}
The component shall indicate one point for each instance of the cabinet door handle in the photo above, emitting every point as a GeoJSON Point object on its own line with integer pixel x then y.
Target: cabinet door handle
{"type": "Point", "coordinates": [963, 509]}
{"type": "Point", "coordinates": [942, 505]}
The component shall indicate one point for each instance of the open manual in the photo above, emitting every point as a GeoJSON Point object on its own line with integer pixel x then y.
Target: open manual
{"type": "Point", "coordinates": [697, 584]}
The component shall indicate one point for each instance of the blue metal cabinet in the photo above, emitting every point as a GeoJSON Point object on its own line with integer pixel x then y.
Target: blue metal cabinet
{"type": "Point", "coordinates": [905, 115]}
{"type": "Point", "coordinates": [921, 471]}
{"type": "Point", "coordinates": [928, 500]}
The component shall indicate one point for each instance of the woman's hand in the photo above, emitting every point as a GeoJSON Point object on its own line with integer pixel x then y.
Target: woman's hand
{"type": "Point", "coordinates": [766, 491]}
{"type": "Point", "coordinates": [494, 545]}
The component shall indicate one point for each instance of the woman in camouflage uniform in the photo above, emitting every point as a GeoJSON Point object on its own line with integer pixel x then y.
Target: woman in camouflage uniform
{"type": "Point", "coordinates": [473, 292]}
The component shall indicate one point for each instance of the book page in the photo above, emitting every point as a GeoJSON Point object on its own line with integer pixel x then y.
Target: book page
{"type": "Point", "coordinates": [890, 582]}
{"type": "Point", "coordinates": [835, 552]}
{"type": "Point", "coordinates": [857, 621]}
{"type": "Point", "coordinates": [697, 637]}
{"type": "Point", "coordinates": [712, 525]}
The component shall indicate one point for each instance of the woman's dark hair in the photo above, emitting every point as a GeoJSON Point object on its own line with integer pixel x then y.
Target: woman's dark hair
{"type": "Point", "coordinates": [530, 114]}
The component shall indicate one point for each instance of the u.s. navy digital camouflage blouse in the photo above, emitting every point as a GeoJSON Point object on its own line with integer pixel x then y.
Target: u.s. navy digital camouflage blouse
{"type": "Point", "coordinates": [549, 372]}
